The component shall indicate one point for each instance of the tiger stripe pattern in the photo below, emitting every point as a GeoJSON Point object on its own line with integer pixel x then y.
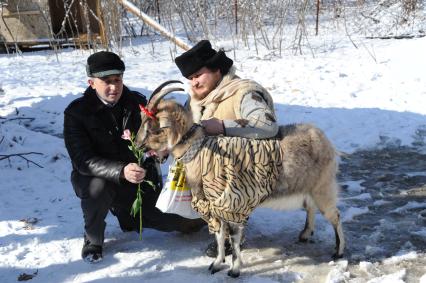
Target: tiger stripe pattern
{"type": "Point", "coordinates": [237, 175]}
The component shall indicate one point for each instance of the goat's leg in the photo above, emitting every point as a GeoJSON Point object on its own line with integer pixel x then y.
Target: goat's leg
{"type": "Point", "coordinates": [333, 216]}
{"type": "Point", "coordinates": [340, 238]}
{"type": "Point", "coordinates": [310, 220]}
{"type": "Point", "coordinates": [326, 203]}
{"type": "Point", "coordinates": [220, 240]}
{"type": "Point", "coordinates": [236, 234]}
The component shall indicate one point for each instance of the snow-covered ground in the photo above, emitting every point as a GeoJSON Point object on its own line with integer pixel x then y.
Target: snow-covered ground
{"type": "Point", "coordinates": [370, 97]}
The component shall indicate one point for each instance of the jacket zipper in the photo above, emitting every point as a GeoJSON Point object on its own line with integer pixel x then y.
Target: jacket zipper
{"type": "Point", "coordinates": [114, 122]}
{"type": "Point", "coordinates": [126, 116]}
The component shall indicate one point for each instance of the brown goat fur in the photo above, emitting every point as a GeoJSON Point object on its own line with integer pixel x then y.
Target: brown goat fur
{"type": "Point", "coordinates": [308, 177]}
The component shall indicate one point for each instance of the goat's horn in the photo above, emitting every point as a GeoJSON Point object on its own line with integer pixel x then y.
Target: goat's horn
{"type": "Point", "coordinates": [163, 93]}
{"type": "Point", "coordinates": [160, 87]}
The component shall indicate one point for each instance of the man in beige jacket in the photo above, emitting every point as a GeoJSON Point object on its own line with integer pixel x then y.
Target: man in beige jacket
{"type": "Point", "coordinates": [224, 103]}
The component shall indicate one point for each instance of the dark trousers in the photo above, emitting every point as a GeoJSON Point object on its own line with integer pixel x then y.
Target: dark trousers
{"type": "Point", "coordinates": [102, 196]}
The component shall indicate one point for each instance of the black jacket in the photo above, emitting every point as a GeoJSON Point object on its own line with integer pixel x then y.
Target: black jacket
{"type": "Point", "coordinates": [92, 134]}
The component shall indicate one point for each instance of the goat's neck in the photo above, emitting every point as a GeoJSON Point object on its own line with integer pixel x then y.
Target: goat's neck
{"type": "Point", "coordinates": [182, 146]}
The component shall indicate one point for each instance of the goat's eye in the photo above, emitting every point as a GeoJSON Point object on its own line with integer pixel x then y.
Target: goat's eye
{"type": "Point", "coordinates": [156, 131]}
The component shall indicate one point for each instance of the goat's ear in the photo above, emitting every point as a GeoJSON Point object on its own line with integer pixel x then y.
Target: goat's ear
{"type": "Point", "coordinates": [164, 123]}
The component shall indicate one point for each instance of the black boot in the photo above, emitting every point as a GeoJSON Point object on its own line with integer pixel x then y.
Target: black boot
{"type": "Point", "coordinates": [188, 226]}
{"type": "Point", "coordinates": [126, 221]}
{"type": "Point", "coordinates": [91, 253]}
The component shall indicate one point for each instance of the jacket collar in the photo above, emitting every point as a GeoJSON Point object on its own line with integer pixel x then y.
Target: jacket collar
{"type": "Point", "coordinates": [95, 104]}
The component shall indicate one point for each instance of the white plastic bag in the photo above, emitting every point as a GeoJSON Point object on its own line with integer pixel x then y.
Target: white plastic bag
{"type": "Point", "coordinates": [175, 197]}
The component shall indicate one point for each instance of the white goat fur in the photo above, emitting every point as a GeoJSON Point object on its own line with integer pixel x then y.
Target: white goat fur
{"type": "Point", "coordinates": [308, 180]}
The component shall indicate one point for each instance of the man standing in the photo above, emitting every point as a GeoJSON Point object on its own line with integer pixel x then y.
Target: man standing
{"type": "Point", "coordinates": [224, 103]}
{"type": "Point", "coordinates": [105, 172]}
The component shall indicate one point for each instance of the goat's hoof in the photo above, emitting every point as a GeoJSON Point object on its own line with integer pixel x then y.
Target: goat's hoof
{"type": "Point", "coordinates": [306, 240]}
{"type": "Point", "coordinates": [233, 274]}
{"type": "Point", "coordinates": [213, 269]}
{"type": "Point", "coordinates": [305, 237]}
{"type": "Point", "coordinates": [337, 256]}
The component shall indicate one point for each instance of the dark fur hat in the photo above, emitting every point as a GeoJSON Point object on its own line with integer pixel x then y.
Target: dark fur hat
{"type": "Point", "coordinates": [202, 55]}
{"type": "Point", "coordinates": [104, 63]}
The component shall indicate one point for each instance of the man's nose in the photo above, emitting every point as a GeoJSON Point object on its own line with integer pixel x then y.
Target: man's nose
{"type": "Point", "coordinates": [194, 82]}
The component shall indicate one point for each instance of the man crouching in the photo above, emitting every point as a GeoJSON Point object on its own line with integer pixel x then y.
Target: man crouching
{"type": "Point", "coordinates": [105, 172]}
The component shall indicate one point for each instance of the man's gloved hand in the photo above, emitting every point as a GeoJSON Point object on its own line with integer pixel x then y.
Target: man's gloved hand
{"type": "Point", "coordinates": [213, 127]}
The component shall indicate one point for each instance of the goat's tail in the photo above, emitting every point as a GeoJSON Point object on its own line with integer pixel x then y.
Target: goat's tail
{"type": "Point", "coordinates": [323, 151]}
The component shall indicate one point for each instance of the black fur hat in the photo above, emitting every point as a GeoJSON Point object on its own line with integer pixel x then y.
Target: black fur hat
{"type": "Point", "coordinates": [104, 63]}
{"type": "Point", "coordinates": [202, 55]}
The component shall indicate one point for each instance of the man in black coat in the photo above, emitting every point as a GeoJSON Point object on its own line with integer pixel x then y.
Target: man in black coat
{"type": "Point", "coordinates": [105, 172]}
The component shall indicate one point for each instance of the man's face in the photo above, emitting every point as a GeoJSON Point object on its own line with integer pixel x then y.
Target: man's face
{"type": "Point", "coordinates": [204, 81]}
{"type": "Point", "coordinates": [108, 88]}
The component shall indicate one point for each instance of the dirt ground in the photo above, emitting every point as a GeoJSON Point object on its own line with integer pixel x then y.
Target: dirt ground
{"type": "Point", "coordinates": [395, 178]}
{"type": "Point", "coordinates": [392, 185]}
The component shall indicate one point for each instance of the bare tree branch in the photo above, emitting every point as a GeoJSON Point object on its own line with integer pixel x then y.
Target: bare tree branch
{"type": "Point", "coordinates": [21, 155]}
{"type": "Point", "coordinates": [17, 118]}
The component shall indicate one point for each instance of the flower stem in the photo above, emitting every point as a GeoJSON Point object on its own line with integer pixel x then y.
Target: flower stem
{"type": "Point", "coordinates": [139, 154]}
{"type": "Point", "coordinates": [140, 217]}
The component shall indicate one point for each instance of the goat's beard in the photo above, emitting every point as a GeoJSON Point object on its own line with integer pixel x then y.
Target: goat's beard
{"type": "Point", "coordinates": [173, 140]}
{"type": "Point", "coordinates": [157, 142]}
{"type": "Point", "coordinates": [165, 140]}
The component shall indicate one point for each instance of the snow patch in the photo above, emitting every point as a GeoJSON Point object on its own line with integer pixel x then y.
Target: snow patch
{"type": "Point", "coordinates": [366, 266]}
{"type": "Point", "coordinates": [351, 212]}
{"type": "Point", "coordinates": [409, 206]}
{"type": "Point", "coordinates": [397, 277]}
{"type": "Point", "coordinates": [339, 273]}
{"type": "Point", "coordinates": [354, 186]}
{"type": "Point", "coordinates": [401, 256]}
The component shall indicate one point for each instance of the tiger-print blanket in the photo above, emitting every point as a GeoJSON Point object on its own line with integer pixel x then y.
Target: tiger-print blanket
{"type": "Point", "coordinates": [237, 175]}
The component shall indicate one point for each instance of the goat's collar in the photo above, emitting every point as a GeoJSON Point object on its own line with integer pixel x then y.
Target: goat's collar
{"type": "Point", "coordinates": [194, 146]}
{"type": "Point", "coordinates": [192, 150]}
{"type": "Point", "coordinates": [189, 134]}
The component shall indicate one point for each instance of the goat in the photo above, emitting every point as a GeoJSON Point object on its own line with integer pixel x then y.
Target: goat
{"type": "Point", "coordinates": [303, 158]}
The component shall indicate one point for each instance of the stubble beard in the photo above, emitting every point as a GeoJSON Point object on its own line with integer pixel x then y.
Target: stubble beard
{"type": "Point", "coordinates": [200, 94]}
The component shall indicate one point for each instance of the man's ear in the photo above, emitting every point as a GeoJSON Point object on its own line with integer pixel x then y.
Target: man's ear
{"type": "Point", "coordinates": [91, 82]}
